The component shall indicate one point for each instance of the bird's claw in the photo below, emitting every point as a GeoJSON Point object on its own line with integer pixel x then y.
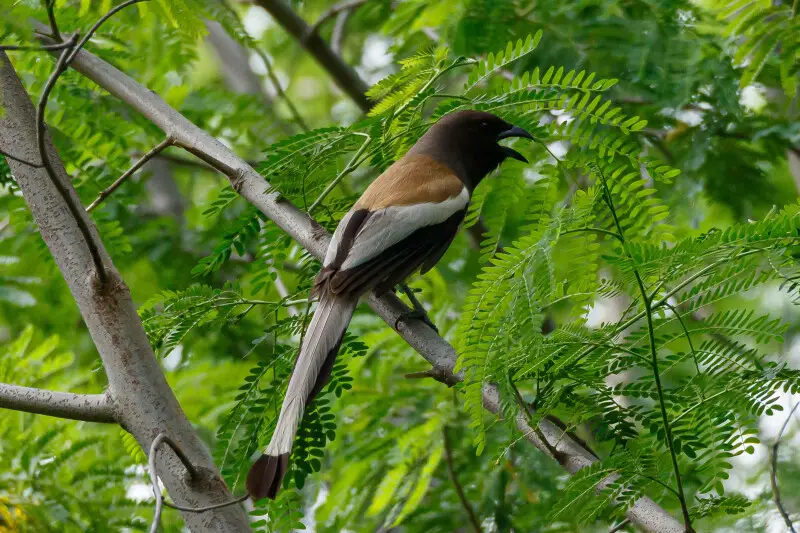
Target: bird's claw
{"type": "Point", "coordinates": [415, 314]}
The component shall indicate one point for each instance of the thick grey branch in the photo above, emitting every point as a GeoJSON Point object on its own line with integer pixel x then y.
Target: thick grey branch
{"type": "Point", "coordinates": [645, 513]}
{"type": "Point", "coordinates": [86, 407]}
{"type": "Point", "coordinates": [144, 403]}
{"type": "Point", "coordinates": [343, 74]}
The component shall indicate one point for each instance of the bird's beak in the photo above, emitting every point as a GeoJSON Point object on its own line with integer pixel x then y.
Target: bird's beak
{"type": "Point", "coordinates": [514, 131]}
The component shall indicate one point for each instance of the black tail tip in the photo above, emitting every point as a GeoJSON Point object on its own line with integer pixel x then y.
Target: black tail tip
{"type": "Point", "coordinates": [266, 475]}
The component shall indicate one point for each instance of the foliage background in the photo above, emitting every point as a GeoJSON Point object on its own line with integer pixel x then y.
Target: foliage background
{"type": "Point", "coordinates": [204, 266]}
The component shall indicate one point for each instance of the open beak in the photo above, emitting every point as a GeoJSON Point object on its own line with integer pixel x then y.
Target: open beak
{"type": "Point", "coordinates": [514, 131]}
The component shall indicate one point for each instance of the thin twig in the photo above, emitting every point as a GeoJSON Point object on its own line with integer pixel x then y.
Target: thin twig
{"type": "Point", "coordinates": [333, 11]}
{"type": "Point", "coordinates": [552, 450]}
{"type": "Point", "coordinates": [72, 203]}
{"type": "Point", "coordinates": [20, 160]}
{"type": "Point", "coordinates": [276, 83]}
{"type": "Point", "coordinates": [64, 60]}
{"type": "Point", "coordinates": [50, 5]}
{"type": "Point", "coordinates": [35, 48]}
{"type": "Point", "coordinates": [279, 89]}
{"type": "Point", "coordinates": [97, 25]}
{"type": "Point", "coordinates": [351, 165]}
{"type": "Point", "coordinates": [448, 455]}
{"type": "Point", "coordinates": [177, 507]}
{"type": "Point", "coordinates": [619, 527]}
{"type": "Point", "coordinates": [343, 74]}
{"type": "Point", "coordinates": [773, 474]}
{"type": "Point", "coordinates": [184, 161]}
{"type": "Point", "coordinates": [160, 503]}
{"type": "Point", "coordinates": [436, 374]}
{"type": "Point", "coordinates": [136, 166]}
{"type": "Point", "coordinates": [337, 35]}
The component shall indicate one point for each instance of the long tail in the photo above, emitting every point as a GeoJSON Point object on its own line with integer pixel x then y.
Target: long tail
{"type": "Point", "coordinates": [311, 372]}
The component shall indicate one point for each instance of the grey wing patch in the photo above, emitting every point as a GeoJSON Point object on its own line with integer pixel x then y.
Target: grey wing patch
{"type": "Point", "coordinates": [423, 247]}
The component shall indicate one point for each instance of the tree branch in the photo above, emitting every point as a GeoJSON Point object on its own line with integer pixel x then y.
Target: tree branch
{"type": "Point", "coordinates": [645, 512]}
{"type": "Point", "coordinates": [136, 166]}
{"type": "Point", "coordinates": [343, 74]}
{"type": "Point", "coordinates": [85, 407]}
{"type": "Point", "coordinates": [773, 473]}
{"type": "Point", "coordinates": [50, 7]}
{"type": "Point", "coordinates": [448, 455]}
{"type": "Point", "coordinates": [334, 11]}
{"type": "Point", "coordinates": [34, 48]}
{"type": "Point", "coordinates": [143, 401]}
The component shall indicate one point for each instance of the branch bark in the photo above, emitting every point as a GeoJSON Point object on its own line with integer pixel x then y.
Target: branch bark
{"type": "Point", "coordinates": [144, 403]}
{"type": "Point", "coordinates": [343, 74]}
{"type": "Point", "coordinates": [645, 513]}
{"type": "Point", "coordinates": [85, 407]}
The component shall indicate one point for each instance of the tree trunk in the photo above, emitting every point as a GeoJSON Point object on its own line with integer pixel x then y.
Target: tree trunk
{"type": "Point", "coordinates": [143, 402]}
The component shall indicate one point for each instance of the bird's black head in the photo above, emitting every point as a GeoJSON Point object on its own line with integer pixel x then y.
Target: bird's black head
{"type": "Point", "coordinates": [469, 143]}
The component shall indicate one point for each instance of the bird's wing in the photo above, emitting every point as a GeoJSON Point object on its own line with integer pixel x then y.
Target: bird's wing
{"type": "Point", "coordinates": [407, 217]}
{"type": "Point", "coordinates": [399, 261]}
{"type": "Point", "coordinates": [414, 193]}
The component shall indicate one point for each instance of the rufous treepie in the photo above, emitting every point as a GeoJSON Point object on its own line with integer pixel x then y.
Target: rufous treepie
{"type": "Point", "coordinates": [404, 222]}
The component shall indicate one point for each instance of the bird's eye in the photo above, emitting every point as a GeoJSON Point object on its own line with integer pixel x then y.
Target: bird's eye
{"type": "Point", "coordinates": [484, 124]}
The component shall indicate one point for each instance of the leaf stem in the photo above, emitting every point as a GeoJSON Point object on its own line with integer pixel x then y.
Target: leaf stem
{"type": "Point", "coordinates": [351, 166]}
{"type": "Point", "coordinates": [648, 311]}
{"type": "Point", "coordinates": [688, 337]}
{"type": "Point", "coordinates": [531, 422]}
{"type": "Point", "coordinates": [599, 230]}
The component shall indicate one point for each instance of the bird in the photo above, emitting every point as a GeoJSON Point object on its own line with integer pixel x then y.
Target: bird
{"type": "Point", "coordinates": [403, 222]}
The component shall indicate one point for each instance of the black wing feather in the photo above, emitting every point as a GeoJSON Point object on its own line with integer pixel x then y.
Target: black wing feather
{"type": "Point", "coordinates": [423, 248]}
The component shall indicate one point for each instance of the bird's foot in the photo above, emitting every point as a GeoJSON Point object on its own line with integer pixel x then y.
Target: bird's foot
{"type": "Point", "coordinates": [416, 314]}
